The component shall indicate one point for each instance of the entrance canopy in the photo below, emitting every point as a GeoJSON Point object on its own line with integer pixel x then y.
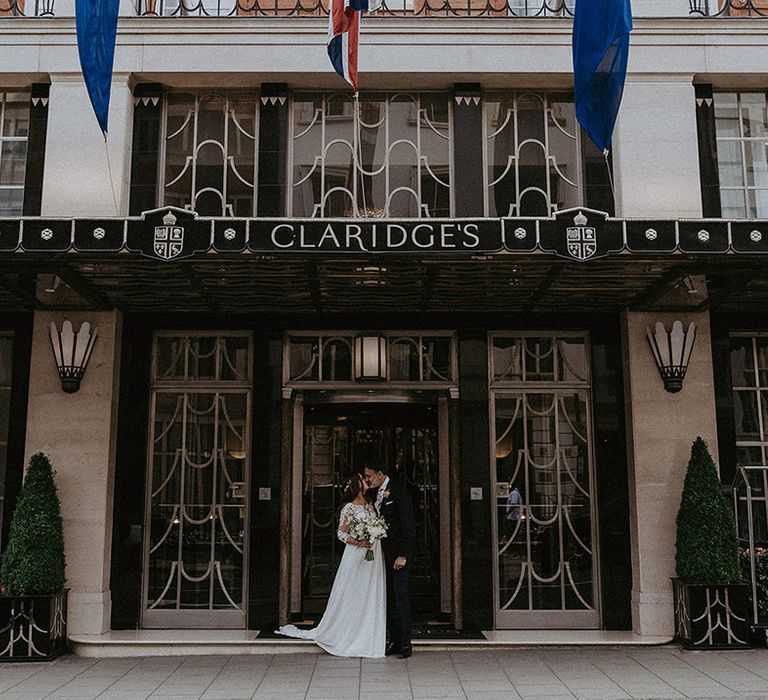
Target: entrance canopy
{"type": "Point", "coordinates": [580, 259]}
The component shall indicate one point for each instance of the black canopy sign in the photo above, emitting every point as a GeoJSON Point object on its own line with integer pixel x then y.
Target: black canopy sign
{"type": "Point", "coordinates": [377, 236]}
{"type": "Point", "coordinates": [581, 234]}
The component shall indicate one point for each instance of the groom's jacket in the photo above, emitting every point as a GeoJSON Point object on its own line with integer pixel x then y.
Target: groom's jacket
{"type": "Point", "coordinates": [397, 509]}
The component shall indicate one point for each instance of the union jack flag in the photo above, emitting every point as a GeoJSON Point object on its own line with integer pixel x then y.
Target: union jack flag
{"type": "Point", "coordinates": [343, 35]}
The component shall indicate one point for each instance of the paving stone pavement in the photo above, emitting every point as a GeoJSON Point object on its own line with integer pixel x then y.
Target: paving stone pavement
{"type": "Point", "coordinates": [536, 674]}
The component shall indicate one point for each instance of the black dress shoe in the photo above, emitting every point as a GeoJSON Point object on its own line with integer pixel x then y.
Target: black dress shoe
{"type": "Point", "coordinates": [391, 649]}
{"type": "Point", "coordinates": [405, 652]}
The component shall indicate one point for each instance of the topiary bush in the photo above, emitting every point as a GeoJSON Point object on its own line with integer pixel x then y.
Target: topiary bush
{"type": "Point", "coordinates": [33, 562]}
{"type": "Point", "coordinates": [707, 548]}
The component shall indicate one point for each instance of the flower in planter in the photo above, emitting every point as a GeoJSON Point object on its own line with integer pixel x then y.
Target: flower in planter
{"type": "Point", "coordinates": [761, 578]}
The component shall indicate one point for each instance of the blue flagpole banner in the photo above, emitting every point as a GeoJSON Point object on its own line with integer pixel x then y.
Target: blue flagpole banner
{"type": "Point", "coordinates": [600, 50]}
{"type": "Point", "coordinates": [96, 22]}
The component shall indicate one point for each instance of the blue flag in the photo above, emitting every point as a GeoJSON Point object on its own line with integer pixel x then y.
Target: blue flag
{"type": "Point", "coordinates": [96, 31]}
{"type": "Point", "coordinates": [600, 50]}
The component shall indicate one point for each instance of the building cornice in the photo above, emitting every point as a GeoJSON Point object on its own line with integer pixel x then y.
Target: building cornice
{"type": "Point", "coordinates": [393, 47]}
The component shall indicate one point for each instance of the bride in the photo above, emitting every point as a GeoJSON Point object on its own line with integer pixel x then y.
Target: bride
{"type": "Point", "coordinates": [354, 623]}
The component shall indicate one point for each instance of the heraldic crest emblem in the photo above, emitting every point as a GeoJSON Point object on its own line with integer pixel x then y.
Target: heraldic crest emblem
{"type": "Point", "coordinates": [581, 239]}
{"type": "Point", "coordinates": [169, 238]}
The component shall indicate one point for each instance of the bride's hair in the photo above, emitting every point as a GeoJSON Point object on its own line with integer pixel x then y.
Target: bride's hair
{"type": "Point", "coordinates": [355, 485]}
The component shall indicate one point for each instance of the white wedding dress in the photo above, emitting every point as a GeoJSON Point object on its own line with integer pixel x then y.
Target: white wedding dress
{"type": "Point", "coordinates": [355, 621]}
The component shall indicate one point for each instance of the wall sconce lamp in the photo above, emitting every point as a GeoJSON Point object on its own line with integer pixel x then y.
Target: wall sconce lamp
{"type": "Point", "coordinates": [672, 352]}
{"type": "Point", "coordinates": [72, 353]}
{"type": "Point", "coordinates": [370, 357]}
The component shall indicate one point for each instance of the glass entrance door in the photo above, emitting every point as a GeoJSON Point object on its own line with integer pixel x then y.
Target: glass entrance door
{"type": "Point", "coordinates": [546, 564]}
{"type": "Point", "coordinates": [198, 482]}
{"type": "Point", "coordinates": [342, 438]}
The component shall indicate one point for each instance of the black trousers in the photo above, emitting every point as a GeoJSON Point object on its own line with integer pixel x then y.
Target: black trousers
{"type": "Point", "coordinates": [398, 604]}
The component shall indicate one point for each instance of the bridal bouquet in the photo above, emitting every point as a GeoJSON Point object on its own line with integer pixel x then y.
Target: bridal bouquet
{"type": "Point", "coordinates": [370, 529]}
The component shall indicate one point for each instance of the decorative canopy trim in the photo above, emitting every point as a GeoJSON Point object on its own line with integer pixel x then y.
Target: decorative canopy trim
{"type": "Point", "coordinates": [579, 234]}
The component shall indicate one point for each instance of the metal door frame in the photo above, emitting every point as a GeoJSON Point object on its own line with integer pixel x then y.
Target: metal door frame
{"type": "Point", "coordinates": [533, 618]}
{"type": "Point", "coordinates": [435, 398]}
{"type": "Point", "coordinates": [204, 619]}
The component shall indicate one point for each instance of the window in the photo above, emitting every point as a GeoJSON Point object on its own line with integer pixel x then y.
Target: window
{"type": "Point", "coordinates": [533, 156]}
{"type": "Point", "coordinates": [749, 379]}
{"type": "Point", "coordinates": [6, 361]}
{"type": "Point", "coordinates": [413, 359]}
{"type": "Point", "coordinates": [14, 122]}
{"type": "Point", "coordinates": [741, 127]}
{"type": "Point", "coordinates": [210, 153]}
{"type": "Point", "coordinates": [389, 156]}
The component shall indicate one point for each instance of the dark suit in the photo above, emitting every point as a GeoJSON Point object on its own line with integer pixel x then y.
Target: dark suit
{"type": "Point", "coordinates": [397, 509]}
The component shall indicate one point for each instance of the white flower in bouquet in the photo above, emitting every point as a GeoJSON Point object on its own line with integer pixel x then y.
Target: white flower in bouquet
{"type": "Point", "coordinates": [357, 529]}
{"type": "Point", "coordinates": [375, 529]}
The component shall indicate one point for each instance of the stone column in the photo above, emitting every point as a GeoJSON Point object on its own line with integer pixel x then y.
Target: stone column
{"type": "Point", "coordinates": [660, 430]}
{"type": "Point", "coordinates": [656, 153]}
{"type": "Point", "coordinates": [78, 432]}
{"type": "Point", "coordinates": [77, 178]}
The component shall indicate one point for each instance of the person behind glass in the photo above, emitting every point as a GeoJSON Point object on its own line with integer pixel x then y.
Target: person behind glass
{"type": "Point", "coordinates": [393, 502]}
{"type": "Point", "coordinates": [514, 509]}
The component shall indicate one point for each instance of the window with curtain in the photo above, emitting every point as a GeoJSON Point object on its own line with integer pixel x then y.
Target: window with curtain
{"type": "Point", "coordinates": [741, 128]}
{"type": "Point", "coordinates": [14, 132]}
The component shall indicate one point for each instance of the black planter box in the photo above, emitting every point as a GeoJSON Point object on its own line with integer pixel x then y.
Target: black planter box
{"type": "Point", "coordinates": [33, 627]}
{"type": "Point", "coordinates": [711, 617]}
{"type": "Point", "coordinates": [760, 635]}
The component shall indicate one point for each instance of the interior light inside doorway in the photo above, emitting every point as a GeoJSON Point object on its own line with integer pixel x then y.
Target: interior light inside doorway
{"type": "Point", "coordinates": [370, 357]}
{"type": "Point", "coordinates": [504, 446]}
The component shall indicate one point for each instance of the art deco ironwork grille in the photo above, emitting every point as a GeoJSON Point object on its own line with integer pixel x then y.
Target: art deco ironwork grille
{"type": "Point", "coordinates": [388, 156]}
{"type": "Point", "coordinates": [390, 8]}
{"type": "Point", "coordinates": [210, 153]}
{"type": "Point", "coordinates": [195, 553]}
{"type": "Point", "coordinates": [544, 520]}
{"type": "Point", "coordinates": [532, 154]}
{"type": "Point", "coordinates": [413, 360]}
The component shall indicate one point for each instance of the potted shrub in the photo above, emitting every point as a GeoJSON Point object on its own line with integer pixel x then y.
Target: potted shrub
{"type": "Point", "coordinates": [33, 603]}
{"type": "Point", "coordinates": [710, 600]}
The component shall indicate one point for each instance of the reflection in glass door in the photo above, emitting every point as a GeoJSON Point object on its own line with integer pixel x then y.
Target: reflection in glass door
{"type": "Point", "coordinates": [546, 566]}
{"type": "Point", "coordinates": [199, 463]}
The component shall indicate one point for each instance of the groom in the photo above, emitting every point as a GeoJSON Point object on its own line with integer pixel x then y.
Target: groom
{"type": "Point", "coordinates": [393, 503]}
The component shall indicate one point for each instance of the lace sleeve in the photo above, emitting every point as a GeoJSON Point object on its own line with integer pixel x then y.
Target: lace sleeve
{"type": "Point", "coordinates": [344, 520]}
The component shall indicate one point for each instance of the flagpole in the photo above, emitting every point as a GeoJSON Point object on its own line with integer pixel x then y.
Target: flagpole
{"type": "Point", "coordinates": [111, 180]}
{"type": "Point", "coordinates": [610, 178]}
{"type": "Point", "coordinates": [359, 150]}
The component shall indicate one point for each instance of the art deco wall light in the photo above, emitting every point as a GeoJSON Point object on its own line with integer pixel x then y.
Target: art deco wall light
{"type": "Point", "coordinates": [72, 353]}
{"type": "Point", "coordinates": [672, 352]}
